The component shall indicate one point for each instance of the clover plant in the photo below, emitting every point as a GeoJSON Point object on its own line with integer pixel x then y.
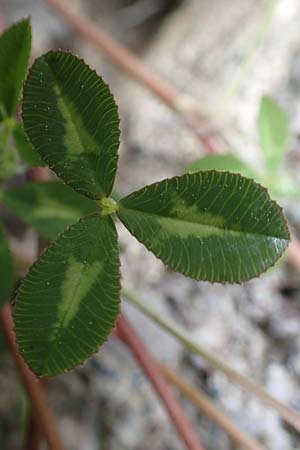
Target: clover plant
{"type": "Point", "coordinates": [211, 226]}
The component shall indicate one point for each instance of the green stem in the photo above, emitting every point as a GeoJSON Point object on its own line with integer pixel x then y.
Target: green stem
{"type": "Point", "coordinates": [284, 411]}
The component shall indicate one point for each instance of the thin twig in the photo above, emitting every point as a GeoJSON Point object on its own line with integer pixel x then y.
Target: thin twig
{"type": "Point", "coordinates": [190, 110]}
{"type": "Point", "coordinates": [152, 370]}
{"type": "Point", "coordinates": [203, 402]}
{"type": "Point", "coordinates": [284, 411]}
{"type": "Point", "coordinates": [32, 385]}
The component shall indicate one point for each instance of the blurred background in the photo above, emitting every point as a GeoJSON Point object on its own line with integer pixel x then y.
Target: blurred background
{"type": "Point", "coordinates": [224, 55]}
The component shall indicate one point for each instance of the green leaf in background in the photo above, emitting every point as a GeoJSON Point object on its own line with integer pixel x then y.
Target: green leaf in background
{"type": "Point", "coordinates": [273, 132]}
{"type": "Point", "coordinates": [72, 121]}
{"type": "Point", "coordinates": [69, 301]}
{"type": "Point", "coordinates": [24, 147]}
{"type": "Point", "coordinates": [225, 162]}
{"type": "Point", "coordinates": [7, 269]}
{"type": "Point", "coordinates": [15, 45]}
{"type": "Point", "coordinates": [48, 206]}
{"type": "Point", "coordinates": [8, 161]}
{"type": "Point", "coordinates": [283, 186]}
{"type": "Point", "coordinates": [214, 226]}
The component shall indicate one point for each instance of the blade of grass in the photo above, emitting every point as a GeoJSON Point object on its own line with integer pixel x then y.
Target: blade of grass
{"type": "Point", "coordinates": [184, 427]}
{"type": "Point", "coordinates": [284, 411]}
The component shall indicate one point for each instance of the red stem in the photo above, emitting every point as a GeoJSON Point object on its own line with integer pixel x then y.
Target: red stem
{"type": "Point", "coordinates": [38, 174]}
{"type": "Point", "coordinates": [155, 375]}
{"type": "Point", "coordinates": [34, 432]}
{"type": "Point", "coordinates": [32, 385]}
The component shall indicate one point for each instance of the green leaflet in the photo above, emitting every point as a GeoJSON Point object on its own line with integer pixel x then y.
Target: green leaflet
{"type": "Point", "coordinates": [15, 44]}
{"type": "Point", "coordinates": [283, 186]}
{"type": "Point", "coordinates": [72, 121]}
{"type": "Point", "coordinates": [48, 206]}
{"type": "Point", "coordinates": [24, 147]}
{"type": "Point", "coordinates": [273, 132]}
{"type": "Point", "coordinates": [7, 269]}
{"type": "Point", "coordinates": [68, 303]}
{"type": "Point", "coordinates": [213, 226]}
{"type": "Point", "coordinates": [224, 162]}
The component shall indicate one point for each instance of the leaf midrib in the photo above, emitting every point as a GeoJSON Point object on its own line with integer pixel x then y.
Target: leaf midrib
{"type": "Point", "coordinates": [235, 232]}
